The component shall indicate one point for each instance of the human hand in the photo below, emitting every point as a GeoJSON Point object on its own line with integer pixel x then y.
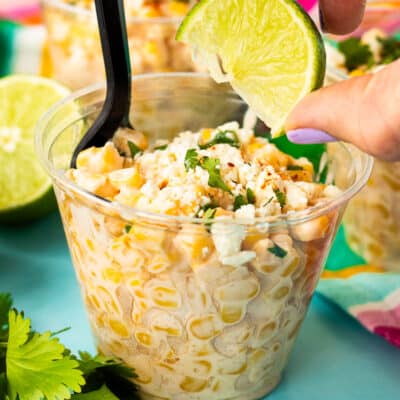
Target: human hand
{"type": "Point", "coordinates": [363, 110]}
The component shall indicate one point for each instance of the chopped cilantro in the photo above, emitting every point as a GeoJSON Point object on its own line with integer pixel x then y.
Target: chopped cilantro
{"type": "Point", "coordinates": [295, 168]}
{"type": "Point", "coordinates": [209, 213]}
{"type": "Point", "coordinates": [205, 208]}
{"type": "Point", "coordinates": [226, 137]}
{"type": "Point", "coordinates": [161, 148]}
{"type": "Point", "coordinates": [191, 159]}
{"type": "Point", "coordinates": [390, 49]}
{"type": "Point", "coordinates": [239, 202]}
{"type": "Point", "coordinates": [134, 149]}
{"type": "Point", "coordinates": [127, 228]}
{"type": "Point", "coordinates": [212, 166]}
{"type": "Point", "coordinates": [278, 251]}
{"type": "Point", "coordinates": [281, 197]}
{"type": "Point", "coordinates": [356, 53]}
{"type": "Point", "coordinates": [251, 197]}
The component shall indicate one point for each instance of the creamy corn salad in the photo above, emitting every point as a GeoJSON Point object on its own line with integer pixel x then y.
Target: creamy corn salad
{"type": "Point", "coordinates": [207, 309]}
{"type": "Point", "coordinates": [73, 52]}
{"type": "Point", "coordinates": [372, 220]}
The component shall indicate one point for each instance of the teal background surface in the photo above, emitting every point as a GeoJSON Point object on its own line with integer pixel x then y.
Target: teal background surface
{"type": "Point", "coordinates": [334, 357]}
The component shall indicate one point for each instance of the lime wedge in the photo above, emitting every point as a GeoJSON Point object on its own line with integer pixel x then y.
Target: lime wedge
{"type": "Point", "coordinates": [26, 191]}
{"type": "Point", "coordinates": [269, 50]}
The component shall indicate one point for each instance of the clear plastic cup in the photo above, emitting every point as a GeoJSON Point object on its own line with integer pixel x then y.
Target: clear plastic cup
{"type": "Point", "coordinates": [73, 53]}
{"type": "Point", "coordinates": [156, 293]}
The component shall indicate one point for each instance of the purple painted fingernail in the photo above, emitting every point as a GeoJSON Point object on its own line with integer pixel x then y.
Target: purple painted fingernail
{"type": "Point", "coordinates": [309, 136]}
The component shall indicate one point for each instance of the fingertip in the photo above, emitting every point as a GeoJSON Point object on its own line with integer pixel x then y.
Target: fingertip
{"type": "Point", "coordinates": [309, 136]}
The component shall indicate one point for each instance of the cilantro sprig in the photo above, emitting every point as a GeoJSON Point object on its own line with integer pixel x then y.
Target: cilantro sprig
{"type": "Point", "coordinates": [37, 366]}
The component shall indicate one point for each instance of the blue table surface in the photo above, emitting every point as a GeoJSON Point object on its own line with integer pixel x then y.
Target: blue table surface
{"type": "Point", "coordinates": [334, 357]}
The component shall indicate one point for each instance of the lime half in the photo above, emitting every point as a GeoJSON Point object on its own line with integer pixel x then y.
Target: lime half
{"type": "Point", "coordinates": [269, 50]}
{"type": "Point", "coordinates": [26, 191]}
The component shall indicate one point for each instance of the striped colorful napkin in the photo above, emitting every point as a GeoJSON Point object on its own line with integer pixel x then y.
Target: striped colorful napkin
{"type": "Point", "coordinates": [366, 292]}
{"type": "Point", "coordinates": [21, 37]}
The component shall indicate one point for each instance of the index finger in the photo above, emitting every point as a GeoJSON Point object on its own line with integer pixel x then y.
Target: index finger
{"type": "Point", "coordinates": [341, 16]}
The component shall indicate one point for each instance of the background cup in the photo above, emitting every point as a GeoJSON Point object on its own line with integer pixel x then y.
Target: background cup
{"type": "Point", "coordinates": [73, 53]}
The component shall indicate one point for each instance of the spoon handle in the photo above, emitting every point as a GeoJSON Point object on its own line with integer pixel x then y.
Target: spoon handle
{"type": "Point", "coordinates": [114, 42]}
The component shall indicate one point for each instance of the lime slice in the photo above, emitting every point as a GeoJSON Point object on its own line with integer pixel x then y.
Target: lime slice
{"type": "Point", "coordinates": [26, 191]}
{"type": "Point", "coordinates": [269, 50]}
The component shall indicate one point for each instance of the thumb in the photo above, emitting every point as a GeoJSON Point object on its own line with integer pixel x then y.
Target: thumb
{"type": "Point", "coordinates": [363, 111]}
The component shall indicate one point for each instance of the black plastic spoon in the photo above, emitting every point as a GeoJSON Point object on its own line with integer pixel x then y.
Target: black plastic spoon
{"type": "Point", "coordinates": [115, 111]}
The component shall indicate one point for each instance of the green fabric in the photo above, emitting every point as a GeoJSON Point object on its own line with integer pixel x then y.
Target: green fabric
{"type": "Point", "coordinates": [8, 31]}
{"type": "Point", "coordinates": [341, 256]}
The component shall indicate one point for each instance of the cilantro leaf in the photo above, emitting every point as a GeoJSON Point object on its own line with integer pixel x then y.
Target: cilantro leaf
{"type": "Point", "coordinates": [390, 49]}
{"type": "Point", "coordinates": [239, 201]}
{"type": "Point", "coordinates": [100, 370]}
{"type": "Point", "coordinates": [5, 306]}
{"type": "Point", "coordinates": [295, 168]}
{"type": "Point", "coordinates": [281, 197]}
{"type": "Point", "coordinates": [278, 251]}
{"type": "Point", "coordinates": [223, 137]}
{"type": "Point", "coordinates": [356, 53]}
{"type": "Point", "coordinates": [205, 208]}
{"type": "Point", "coordinates": [36, 364]}
{"type": "Point", "coordinates": [251, 197]}
{"type": "Point", "coordinates": [89, 364]}
{"type": "Point", "coordinates": [134, 149]}
{"type": "Point", "coordinates": [209, 213]}
{"type": "Point", "coordinates": [103, 393]}
{"type": "Point", "coordinates": [212, 165]}
{"type": "Point", "coordinates": [127, 228]}
{"type": "Point", "coordinates": [191, 159]}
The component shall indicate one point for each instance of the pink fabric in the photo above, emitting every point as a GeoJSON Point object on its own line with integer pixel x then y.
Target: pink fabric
{"type": "Point", "coordinates": [382, 317]}
{"type": "Point", "coordinates": [308, 4]}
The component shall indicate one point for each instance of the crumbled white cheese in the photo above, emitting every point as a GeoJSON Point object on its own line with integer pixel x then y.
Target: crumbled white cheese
{"type": "Point", "coordinates": [246, 212]}
{"type": "Point", "coordinates": [227, 238]}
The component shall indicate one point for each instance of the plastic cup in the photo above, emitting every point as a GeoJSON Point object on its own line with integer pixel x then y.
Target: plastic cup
{"type": "Point", "coordinates": [73, 53]}
{"type": "Point", "coordinates": [156, 293]}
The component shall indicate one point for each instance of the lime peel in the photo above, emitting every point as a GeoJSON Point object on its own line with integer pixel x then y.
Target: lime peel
{"type": "Point", "coordinates": [26, 188]}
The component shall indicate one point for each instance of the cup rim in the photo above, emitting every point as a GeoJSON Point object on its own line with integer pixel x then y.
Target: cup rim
{"type": "Point", "coordinates": [127, 212]}
{"type": "Point", "coordinates": [74, 9]}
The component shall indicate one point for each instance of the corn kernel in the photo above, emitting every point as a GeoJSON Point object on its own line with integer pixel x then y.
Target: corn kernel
{"type": "Point", "coordinates": [119, 328]}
